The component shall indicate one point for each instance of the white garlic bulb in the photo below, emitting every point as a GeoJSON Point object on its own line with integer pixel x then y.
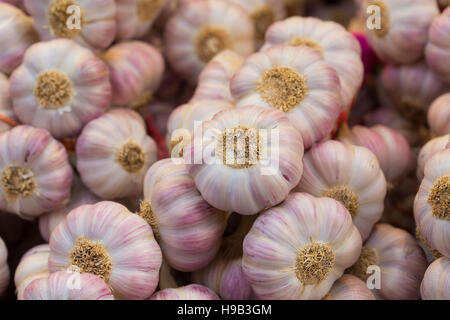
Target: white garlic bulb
{"type": "Point", "coordinates": [4, 269]}
{"type": "Point", "coordinates": [190, 292]}
{"type": "Point", "coordinates": [436, 282]}
{"type": "Point", "coordinates": [432, 147]}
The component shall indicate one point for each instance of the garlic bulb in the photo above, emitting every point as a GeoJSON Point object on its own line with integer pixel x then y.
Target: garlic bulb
{"type": "Point", "coordinates": [430, 149]}
{"type": "Point", "coordinates": [430, 253]}
{"type": "Point", "coordinates": [439, 115]}
{"type": "Point", "coordinates": [136, 71]}
{"type": "Point", "coordinates": [436, 282]}
{"type": "Point", "coordinates": [298, 249]}
{"type": "Point", "coordinates": [16, 35]}
{"type": "Point", "coordinates": [185, 118]}
{"type": "Point", "coordinates": [60, 86]}
{"type": "Point", "coordinates": [90, 23]}
{"type": "Point", "coordinates": [200, 29]}
{"type": "Point", "coordinates": [432, 203]}
{"type": "Point", "coordinates": [437, 51]}
{"type": "Point", "coordinates": [397, 30]}
{"type": "Point", "coordinates": [187, 228]}
{"type": "Point", "coordinates": [190, 292]}
{"type": "Point", "coordinates": [338, 47]}
{"type": "Point", "coordinates": [135, 18]}
{"type": "Point", "coordinates": [295, 80]}
{"type": "Point", "coordinates": [113, 154]}
{"type": "Point", "coordinates": [349, 287]}
{"type": "Point", "coordinates": [390, 147]}
{"type": "Point", "coordinates": [80, 195]}
{"type": "Point", "coordinates": [108, 241]}
{"type": "Point", "coordinates": [214, 80]}
{"type": "Point", "coordinates": [68, 285]}
{"type": "Point", "coordinates": [350, 175]}
{"type": "Point", "coordinates": [35, 173]}
{"type": "Point", "coordinates": [400, 260]}
{"type": "Point", "coordinates": [246, 159]}
{"type": "Point", "coordinates": [5, 105]}
{"type": "Point", "coordinates": [4, 269]}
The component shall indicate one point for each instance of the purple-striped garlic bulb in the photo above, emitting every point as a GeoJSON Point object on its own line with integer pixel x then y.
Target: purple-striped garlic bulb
{"type": "Point", "coordinates": [186, 227]}
{"type": "Point", "coordinates": [35, 175]}
{"type": "Point", "coordinates": [114, 153]}
{"type": "Point", "coordinates": [136, 71]}
{"type": "Point", "coordinates": [16, 35]}
{"type": "Point", "coordinates": [437, 51]}
{"type": "Point", "coordinates": [432, 203]}
{"type": "Point", "coordinates": [4, 269]}
{"type": "Point", "coordinates": [392, 262]}
{"type": "Point", "coordinates": [390, 147]}
{"type": "Point", "coordinates": [295, 80]}
{"type": "Point", "coordinates": [338, 47]}
{"type": "Point", "coordinates": [349, 174]}
{"type": "Point", "coordinates": [349, 287]}
{"type": "Point", "coordinates": [60, 86]}
{"type": "Point", "coordinates": [5, 103]}
{"type": "Point", "coordinates": [397, 30]}
{"type": "Point", "coordinates": [299, 248]}
{"type": "Point", "coordinates": [68, 285]}
{"type": "Point", "coordinates": [200, 29]}
{"type": "Point", "coordinates": [436, 282]}
{"type": "Point", "coordinates": [256, 152]}
{"type": "Point", "coordinates": [432, 147]}
{"type": "Point", "coordinates": [112, 243]}
{"type": "Point", "coordinates": [189, 292]}
{"type": "Point", "coordinates": [80, 195]}
{"type": "Point", "coordinates": [214, 80]}
{"type": "Point", "coordinates": [90, 23]}
{"type": "Point", "coordinates": [430, 253]}
{"type": "Point", "coordinates": [185, 118]}
{"type": "Point", "coordinates": [439, 115]}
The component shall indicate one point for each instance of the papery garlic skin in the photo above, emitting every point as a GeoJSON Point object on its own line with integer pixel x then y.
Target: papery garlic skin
{"type": "Point", "coordinates": [90, 23]}
{"type": "Point", "coordinates": [35, 172]}
{"type": "Point", "coordinates": [295, 80]}
{"type": "Point", "coordinates": [5, 103]}
{"type": "Point", "coordinates": [347, 173]}
{"type": "Point", "coordinates": [430, 149]}
{"type": "Point", "coordinates": [136, 71]}
{"type": "Point", "coordinates": [114, 153]}
{"type": "Point", "coordinates": [189, 292]}
{"type": "Point", "coordinates": [439, 115]}
{"type": "Point", "coordinates": [60, 86]}
{"type": "Point", "coordinates": [431, 206]}
{"type": "Point", "coordinates": [339, 48]}
{"type": "Point", "coordinates": [200, 29]}
{"type": "Point", "coordinates": [402, 32]}
{"type": "Point", "coordinates": [249, 181]}
{"type": "Point", "coordinates": [68, 285]}
{"type": "Point", "coordinates": [16, 35]}
{"type": "Point", "coordinates": [299, 248]}
{"type": "Point", "coordinates": [126, 254]}
{"type": "Point", "coordinates": [437, 51]}
{"type": "Point", "coordinates": [4, 269]}
{"type": "Point", "coordinates": [436, 282]}
{"type": "Point", "coordinates": [349, 287]}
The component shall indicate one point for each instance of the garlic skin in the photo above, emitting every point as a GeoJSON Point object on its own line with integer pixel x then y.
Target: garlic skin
{"type": "Point", "coordinates": [5, 103]}
{"type": "Point", "coordinates": [437, 51]}
{"type": "Point", "coordinates": [401, 261]}
{"type": "Point", "coordinates": [270, 164]}
{"type": "Point", "coordinates": [126, 254]}
{"type": "Point", "coordinates": [214, 80]}
{"type": "Point", "coordinates": [90, 23]}
{"type": "Point", "coordinates": [431, 205]}
{"type": "Point", "coordinates": [182, 122]}
{"type": "Point", "coordinates": [4, 269]}
{"type": "Point", "coordinates": [35, 172]}
{"type": "Point", "coordinates": [136, 71]}
{"type": "Point", "coordinates": [114, 153]}
{"type": "Point", "coordinates": [439, 115]}
{"type": "Point", "coordinates": [200, 29]}
{"type": "Point", "coordinates": [349, 174]}
{"type": "Point", "coordinates": [349, 287]}
{"type": "Point", "coordinates": [436, 282]}
{"type": "Point", "coordinates": [65, 285]}
{"type": "Point", "coordinates": [295, 80]}
{"type": "Point", "coordinates": [298, 249]}
{"type": "Point", "coordinates": [16, 35]}
{"type": "Point", "coordinates": [60, 86]}
{"type": "Point", "coordinates": [403, 30]}
{"type": "Point", "coordinates": [338, 47]}
{"type": "Point", "coordinates": [432, 147]}
{"type": "Point", "coordinates": [189, 292]}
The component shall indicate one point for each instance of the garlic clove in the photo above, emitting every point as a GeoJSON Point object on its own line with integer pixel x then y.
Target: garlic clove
{"type": "Point", "coordinates": [349, 287]}
{"type": "Point", "coordinates": [189, 292]}
{"type": "Point", "coordinates": [436, 284]}
{"type": "Point", "coordinates": [439, 115]}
